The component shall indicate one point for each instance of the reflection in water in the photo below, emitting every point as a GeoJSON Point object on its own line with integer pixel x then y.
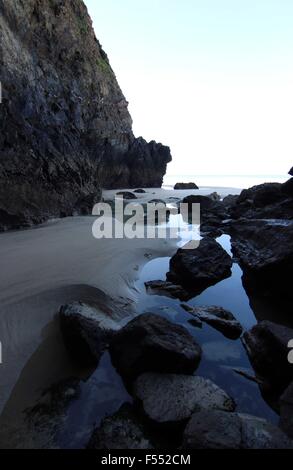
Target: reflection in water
{"type": "Point", "coordinates": [220, 355]}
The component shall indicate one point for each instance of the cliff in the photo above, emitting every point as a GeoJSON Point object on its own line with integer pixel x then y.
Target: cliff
{"type": "Point", "coordinates": [65, 129]}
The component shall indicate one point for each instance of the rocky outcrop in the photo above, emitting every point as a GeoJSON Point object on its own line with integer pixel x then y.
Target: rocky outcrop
{"type": "Point", "coordinates": [185, 186]}
{"type": "Point", "coordinates": [65, 130]}
{"type": "Point", "coordinates": [267, 348]}
{"type": "Point", "coordinates": [219, 430]}
{"type": "Point", "coordinates": [150, 343]}
{"type": "Point", "coordinates": [291, 171]}
{"type": "Point", "coordinates": [265, 201]}
{"type": "Point", "coordinates": [171, 398]}
{"type": "Point", "coordinates": [199, 268]}
{"type": "Point", "coordinates": [217, 317]}
{"type": "Point", "coordinates": [123, 430]}
{"type": "Point", "coordinates": [86, 331]}
{"type": "Point", "coordinates": [212, 213]}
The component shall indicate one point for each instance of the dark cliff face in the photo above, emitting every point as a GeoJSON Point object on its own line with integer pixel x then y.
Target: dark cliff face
{"type": "Point", "coordinates": [65, 130]}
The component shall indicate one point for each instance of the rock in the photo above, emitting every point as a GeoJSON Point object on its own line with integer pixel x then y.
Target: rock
{"type": "Point", "coordinates": [139, 191]}
{"type": "Point", "coordinates": [265, 254]}
{"type": "Point", "coordinates": [265, 201]}
{"type": "Point", "coordinates": [220, 430]}
{"type": "Point", "coordinates": [86, 331]}
{"type": "Point", "coordinates": [123, 430]}
{"type": "Point", "coordinates": [167, 289]}
{"type": "Point", "coordinates": [286, 411]}
{"type": "Point", "coordinates": [287, 188]}
{"type": "Point", "coordinates": [185, 186]}
{"type": "Point", "coordinates": [291, 171]}
{"type": "Point", "coordinates": [217, 317]}
{"type": "Point", "coordinates": [157, 201]}
{"type": "Point", "coordinates": [212, 212]}
{"type": "Point", "coordinates": [171, 398]}
{"type": "Point", "coordinates": [65, 127]}
{"type": "Point", "coordinates": [152, 343]}
{"type": "Point", "coordinates": [209, 429]}
{"type": "Point", "coordinates": [230, 201]}
{"type": "Point", "coordinates": [267, 348]}
{"type": "Point", "coordinates": [197, 269]}
{"type": "Point", "coordinates": [127, 195]}
{"type": "Point", "coordinates": [214, 196]}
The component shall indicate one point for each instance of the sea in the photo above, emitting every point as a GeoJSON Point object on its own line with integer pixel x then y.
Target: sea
{"type": "Point", "coordinates": [223, 181]}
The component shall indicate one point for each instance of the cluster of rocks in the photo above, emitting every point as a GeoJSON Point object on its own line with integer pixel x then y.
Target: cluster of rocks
{"type": "Point", "coordinates": [157, 360]}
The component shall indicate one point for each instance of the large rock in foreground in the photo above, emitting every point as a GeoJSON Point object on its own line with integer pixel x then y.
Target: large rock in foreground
{"type": "Point", "coordinates": [152, 343]}
{"type": "Point", "coordinates": [65, 128]}
{"type": "Point", "coordinates": [265, 253]}
{"type": "Point", "coordinates": [86, 331]}
{"type": "Point", "coordinates": [220, 430]}
{"type": "Point", "coordinates": [267, 347]}
{"type": "Point", "coordinates": [199, 268]}
{"type": "Point", "coordinates": [171, 398]}
{"type": "Point", "coordinates": [122, 430]}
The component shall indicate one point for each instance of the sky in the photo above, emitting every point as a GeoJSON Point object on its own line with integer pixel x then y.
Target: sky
{"type": "Point", "coordinates": [213, 79]}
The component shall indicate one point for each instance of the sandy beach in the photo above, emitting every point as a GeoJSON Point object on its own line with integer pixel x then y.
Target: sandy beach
{"type": "Point", "coordinates": [53, 264]}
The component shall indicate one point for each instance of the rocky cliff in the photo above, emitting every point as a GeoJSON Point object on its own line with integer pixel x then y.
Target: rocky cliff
{"type": "Point", "coordinates": [65, 129]}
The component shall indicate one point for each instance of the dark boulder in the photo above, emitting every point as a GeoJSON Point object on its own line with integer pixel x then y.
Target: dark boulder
{"type": "Point", "coordinates": [121, 431]}
{"type": "Point", "coordinates": [286, 411]}
{"type": "Point", "coordinates": [212, 212]}
{"type": "Point", "coordinates": [265, 253]}
{"type": "Point", "coordinates": [86, 331]}
{"type": "Point", "coordinates": [126, 195]}
{"type": "Point", "coordinates": [199, 268]}
{"type": "Point", "coordinates": [139, 191]}
{"type": "Point", "coordinates": [217, 317]}
{"type": "Point", "coordinates": [267, 348]}
{"type": "Point", "coordinates": [185, 186]}
{"type": "Point", "coordinates": [172, 398]}
{"type": "Point", "coordinates": [150, 343]}
{"type": "Point", "coordinates": [220, 430]}
{"type": "Point", "coordinates": [291, 171]}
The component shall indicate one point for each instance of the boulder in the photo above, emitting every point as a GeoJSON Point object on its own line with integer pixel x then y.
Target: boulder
{"type": "Point", "coordinates": [172, 398]}
{"type": "Point", "coordinates": [152, 343]}
{"type": "Point", "coordinates": [139, 191]}
{"type": "Point", "coordinates": [217, 317]}
{"type": "Point", "coordinates": [121, 431]}
{"type": "Point", "coordinates": [167, 289]}
{"type": "Point", "coordinates": [286, 411]}
{"type": "Point", "coordinates": [199, 268]}
{"type": "Point", "coordinates": [267, 348]}
{"type": "Point", "coordinates": [220, 430]}
{"type": "Point", "coordinates": [212, 212]}
{"type": "Point", "coordinates": [185, 186]}
{"type": "Point", "coordinates": [265, 253]}
{"type": "Point", "coordinates": [126, 195]}
{"type": "Point", "coordinates": [86, 331]}
{"type": "Point", "coordinates": [291, 171]}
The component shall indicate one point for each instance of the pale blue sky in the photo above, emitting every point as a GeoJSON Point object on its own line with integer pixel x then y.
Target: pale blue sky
{"type": "Point", "coordinates": [211, 78]}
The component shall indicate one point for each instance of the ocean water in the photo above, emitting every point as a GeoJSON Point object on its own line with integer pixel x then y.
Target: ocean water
{"type": "Point", "coordinates": [229, 181]}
